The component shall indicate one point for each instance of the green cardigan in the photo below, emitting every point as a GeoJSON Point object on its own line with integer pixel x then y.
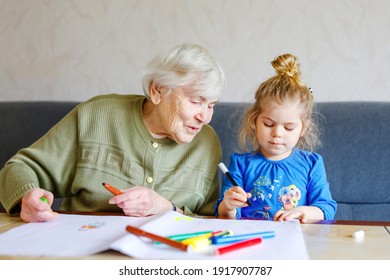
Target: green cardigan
{"type": "Point", "coordinates": [105, 140]}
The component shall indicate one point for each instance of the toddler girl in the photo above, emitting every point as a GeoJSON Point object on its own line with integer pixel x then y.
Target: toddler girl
{"type": "Point", "coordinates": [281, 177]}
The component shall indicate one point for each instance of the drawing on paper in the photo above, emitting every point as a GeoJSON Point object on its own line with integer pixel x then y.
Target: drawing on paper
{"type": "Point", "coordinates": [90, 226]}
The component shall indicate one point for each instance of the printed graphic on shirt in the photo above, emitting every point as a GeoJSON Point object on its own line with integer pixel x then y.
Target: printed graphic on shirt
{"type": "Point", "coordinates": [268, 196]}
{"type": "Point", "coordinates": [259, 194]}
{"type": "Point", "coordinates": [289, 196]}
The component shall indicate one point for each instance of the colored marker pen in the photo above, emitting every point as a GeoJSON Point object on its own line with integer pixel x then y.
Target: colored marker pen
{"type": "Point", "coordinates": [237, 246]}
{"type": "Point", "coordinates": [225, 171]}
{"type": "Point", "coordinates": [200, 242]}
{"type": "Point", "coordinates": [180, 237]}
{"type": "Point", "coordinates": [112, 189]}
{"type": "Point", "coordinates": [162, 239]}
{"type": "Point", "coordinates": [184, 236]}
{"type": "Point", "coordinates": [241, 237]}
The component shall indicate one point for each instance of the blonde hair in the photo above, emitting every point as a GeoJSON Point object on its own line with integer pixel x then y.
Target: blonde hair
{"type": "Point", "coordinates": [286, 85]}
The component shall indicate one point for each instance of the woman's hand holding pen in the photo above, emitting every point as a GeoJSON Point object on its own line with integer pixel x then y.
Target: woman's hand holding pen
{"type": "Point", "coordinates": [141, 202]}
{"type": "Point", "coordinates": [36, 209]}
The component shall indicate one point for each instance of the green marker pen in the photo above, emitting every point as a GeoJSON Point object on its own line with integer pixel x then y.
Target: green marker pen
{"type": "Point", "coordinates": [43, 199]}
{"type": "Point", "coordinates": [181, 237]}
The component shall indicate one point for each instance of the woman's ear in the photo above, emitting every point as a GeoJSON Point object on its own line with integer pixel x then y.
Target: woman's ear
{"type": "Point", "coordinates": [155, 93]}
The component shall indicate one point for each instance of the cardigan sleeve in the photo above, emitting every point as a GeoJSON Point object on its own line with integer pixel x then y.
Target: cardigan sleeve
{"type": "Point", "coordinates": [49, 163]}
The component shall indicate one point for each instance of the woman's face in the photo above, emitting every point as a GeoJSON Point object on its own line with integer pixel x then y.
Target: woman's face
{"type": "Point", "coordinates": [183, 114]}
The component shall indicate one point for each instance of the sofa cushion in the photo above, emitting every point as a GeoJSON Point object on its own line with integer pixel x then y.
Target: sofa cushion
{"type": "Point", "coordinates": [356, 149]}
{"type": "Point", "coordinates": [354, 135]}
{"type": "Point", "coordinates": [22, 123]}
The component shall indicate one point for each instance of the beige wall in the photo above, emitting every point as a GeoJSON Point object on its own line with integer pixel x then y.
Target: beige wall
{"type": "Point", "coordinates": [73, 50]}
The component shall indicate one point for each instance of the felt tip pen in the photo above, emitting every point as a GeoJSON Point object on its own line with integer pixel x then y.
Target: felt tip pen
{"type": "Point", "coordinates": [197, 243]}
{"type": "Point", "coordinates": [183, 236]}
{"type": "Point", "coordinates": [180, 237]}
{"type": "Point", "coordinates": [201, 236]}
{"type": "Point", "coordinates": [112, 189]}
{"type": "Point", "coordinates": [43, 199]}
{"type": "Point", "coordinates": [162, 239]}
{"type": "Point", "coordinates": [241, 237]}
{"type": "Point", "coordinates": [222, 233]}
{"type": "Point", "coordinates": [200, 242]}
{"type": "Point", "coordinates": [238, 246]}
{"type": "Point", "coordinates": [225, 171]}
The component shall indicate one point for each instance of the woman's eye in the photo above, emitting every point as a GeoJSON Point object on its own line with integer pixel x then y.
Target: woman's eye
{"type": "Point", "coordinates": [196, 102]}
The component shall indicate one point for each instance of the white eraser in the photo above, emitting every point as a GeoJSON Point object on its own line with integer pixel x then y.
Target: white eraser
{"type": "Point", "coordinates": [358, 235]}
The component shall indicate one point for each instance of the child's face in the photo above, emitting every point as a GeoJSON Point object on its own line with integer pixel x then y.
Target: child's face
{"type": "Point", "coordinates": [278, 129]}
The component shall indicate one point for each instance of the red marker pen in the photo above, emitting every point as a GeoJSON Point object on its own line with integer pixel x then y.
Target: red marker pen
{"type": "Point", "coordinates": [238, 245]}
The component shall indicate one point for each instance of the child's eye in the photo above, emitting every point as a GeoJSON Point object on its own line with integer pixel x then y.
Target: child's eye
{"type": "Point", "coordinates": [289, 128]}
{"type": "Point", "coordinates": [268, 124]}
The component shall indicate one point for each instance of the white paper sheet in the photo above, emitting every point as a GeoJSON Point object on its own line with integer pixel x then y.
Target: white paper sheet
{"type": "Point", "coordinates": [82, 235]}
{"type": "Point", "coordinates": [66, 236]}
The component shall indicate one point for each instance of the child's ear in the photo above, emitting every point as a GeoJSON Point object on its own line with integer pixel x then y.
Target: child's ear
{"type": "Point", "coordinates": [305, 127]}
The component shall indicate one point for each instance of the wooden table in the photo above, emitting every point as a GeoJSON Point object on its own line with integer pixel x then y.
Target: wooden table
{"type": "Point", "coordinates": [325, 240]}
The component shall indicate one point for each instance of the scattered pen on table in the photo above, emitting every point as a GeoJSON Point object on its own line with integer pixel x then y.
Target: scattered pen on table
{"type": "Point", "coordinates": [224, 169]}
{"type": "Point", "coordinates": [202, 241]}
{"type": "Point", "coordinates": [112, 189]}
{"type": "Point", "coordinates": [223, 233]}
{"type": "Point", "coordinates": [198, 240]}
{"type": "Point", "coordinates": [241, 237]}
{"type": "Point", "coordinates": [162, 239]}
{"type": "Point", "coordinates": [183, 236]}
{"type": "Point", "coordinates": [238, 245]}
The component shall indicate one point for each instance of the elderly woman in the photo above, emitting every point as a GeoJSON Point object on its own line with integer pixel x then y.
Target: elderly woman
{"type": "Point", "coordinates": [156, 148]}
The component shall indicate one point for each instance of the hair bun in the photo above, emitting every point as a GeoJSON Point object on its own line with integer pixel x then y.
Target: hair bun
{"type": "Point", "coordinates": [287, 64]}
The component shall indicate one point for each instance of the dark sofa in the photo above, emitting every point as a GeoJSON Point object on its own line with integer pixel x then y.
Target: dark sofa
{"type": "Point", "coordinates": [355, 145]}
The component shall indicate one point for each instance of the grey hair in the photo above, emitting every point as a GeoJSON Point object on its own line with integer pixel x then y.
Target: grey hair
{"type": "Point", "coordinates": [185, 65]}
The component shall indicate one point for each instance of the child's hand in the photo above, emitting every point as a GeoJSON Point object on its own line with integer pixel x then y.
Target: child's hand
{"type": "Point", "coordinates": [303, 213]}
{"type": "Point", "coordinates": [294, 213]}
{"type": "Point", "coordinates": [235, 197]}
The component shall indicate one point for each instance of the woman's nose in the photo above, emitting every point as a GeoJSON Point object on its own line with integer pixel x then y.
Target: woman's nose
{"type": "Point", "coordinates": [205, 114]}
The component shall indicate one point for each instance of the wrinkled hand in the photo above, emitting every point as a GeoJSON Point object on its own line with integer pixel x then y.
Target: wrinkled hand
{"type": "Point", "coordinates": [35, 210]}
{"type": "Point", "coordinates": [141, 202]}
{"type": "Point", "coordinates": [235, 197]}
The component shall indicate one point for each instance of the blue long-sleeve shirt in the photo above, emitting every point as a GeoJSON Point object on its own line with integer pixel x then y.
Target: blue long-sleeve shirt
{"type": "Point", "coordinates": [297, 180]}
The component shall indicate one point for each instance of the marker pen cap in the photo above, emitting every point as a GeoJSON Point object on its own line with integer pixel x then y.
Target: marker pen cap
{"type": "Point", "coordinates": [197, 244]}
